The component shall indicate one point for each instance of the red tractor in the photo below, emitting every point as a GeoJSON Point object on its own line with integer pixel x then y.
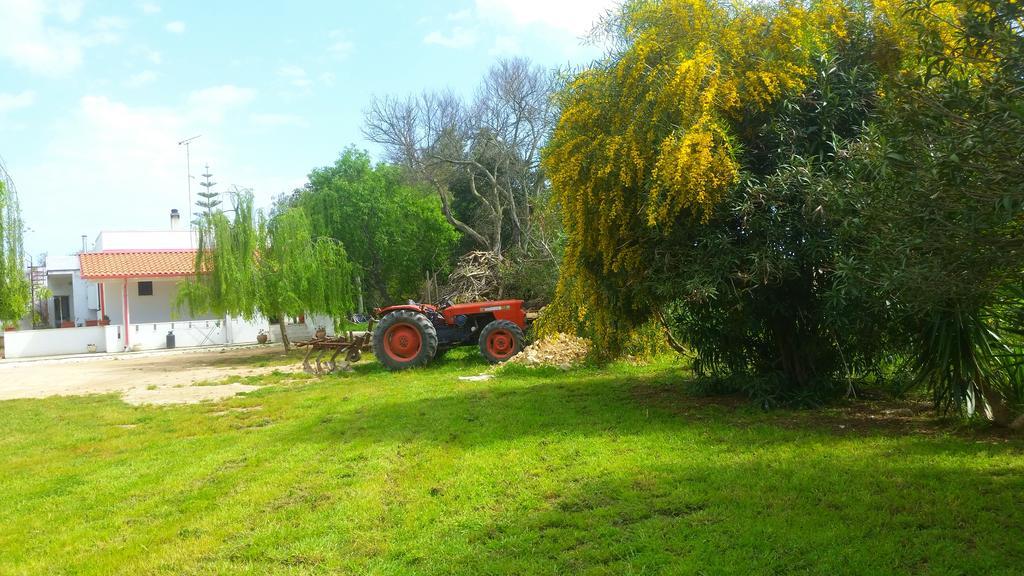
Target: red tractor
{"type": "Point", "coordinates": [412, 334]}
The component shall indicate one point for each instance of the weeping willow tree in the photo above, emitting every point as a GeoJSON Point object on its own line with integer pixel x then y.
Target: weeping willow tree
{"type": "Point", "coordinates": [14, 286]}
{"type": "Point", "coordinates": [251, 265]}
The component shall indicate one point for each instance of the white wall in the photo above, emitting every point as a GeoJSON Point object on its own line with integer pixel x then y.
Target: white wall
{"type": "Point", "coordinates": [186, 334]}
{"type": "Point", "coordinates": [62, 263]}
{"type": "Point", "coordinates": [189, 334]}
{"type": "Point", "coordinates": [82, 310]}
{"type": "Point", "coordinates": [295, 332]}
{"type": "Point", "coordinates": [313, 321]}
{"type": "Point", "coordinates": [145, 240]}
{"type": "Point", "coordinates": [28, 343]}
{"type": "Point", "coordinates": [114, 338]}
{"type": "Point", "coordinates": [149, 336]}
{"type": "Point", "coordinates": [241, 331]}
{"type": "Point", "coordinates": [145, 309]}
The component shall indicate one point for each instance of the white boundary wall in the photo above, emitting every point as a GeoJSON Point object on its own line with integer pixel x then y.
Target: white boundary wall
{"type": "Point", "coordinates": [152, 336]}
{"type": "Point", "coordinates": [55, 342]}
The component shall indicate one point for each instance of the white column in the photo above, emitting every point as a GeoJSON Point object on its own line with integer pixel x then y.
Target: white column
{"type": "Point", "coordinates": [124, 313]}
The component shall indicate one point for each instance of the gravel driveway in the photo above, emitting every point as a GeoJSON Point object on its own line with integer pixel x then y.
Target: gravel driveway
{"type": "Point", "coordinates": [141, 378]}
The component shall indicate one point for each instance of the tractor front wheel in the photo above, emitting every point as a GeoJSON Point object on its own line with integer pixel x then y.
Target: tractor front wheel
{"type": "Point", "coordinates": [404, 339]}
{"type": "Point", "coordinates": [501, 340]}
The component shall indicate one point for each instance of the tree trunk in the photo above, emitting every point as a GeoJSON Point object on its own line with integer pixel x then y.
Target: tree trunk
{"type": "Point", "coordinates": [672, 342]}
{"type": "Point", "coordinates": [458, 224]}
{"type": "Point", "coordinates": [283, 325]}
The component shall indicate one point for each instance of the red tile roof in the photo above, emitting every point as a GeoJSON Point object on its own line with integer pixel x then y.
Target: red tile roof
{"type": "Point", "coordinates": [137, 264]}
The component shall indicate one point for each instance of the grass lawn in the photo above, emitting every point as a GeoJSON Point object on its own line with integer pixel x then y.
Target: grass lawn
{"type": "Point", "coordinates": [611, 471]}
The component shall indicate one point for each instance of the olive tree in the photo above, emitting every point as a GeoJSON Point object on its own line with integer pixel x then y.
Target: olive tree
{"type": "Point", "coordinates": [490, 143]}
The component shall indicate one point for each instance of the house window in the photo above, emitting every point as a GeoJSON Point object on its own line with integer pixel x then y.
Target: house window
{"type": "Point", "coordinates": [145, 288]}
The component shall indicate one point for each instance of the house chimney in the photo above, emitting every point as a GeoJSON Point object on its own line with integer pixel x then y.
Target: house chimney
{"type": "Point", "coordinates": [85, 244]}
{"type": "Point", "coordinates": [175, 219]}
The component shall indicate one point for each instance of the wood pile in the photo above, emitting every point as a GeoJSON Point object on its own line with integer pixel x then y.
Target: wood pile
{"type": "Point", "coordinates": [560, 350]}
{"type": "Point", "coordinates": [475, 278]}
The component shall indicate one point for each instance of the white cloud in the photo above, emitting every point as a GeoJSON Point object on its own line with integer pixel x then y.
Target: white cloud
{"type": "Point", "coordinates": [340, 46]}
{"type": "Point", "coordinates": [46, 38]}
{"type": "Point", "coordinates": [278, 120]}
{"type": "Point", "coordinates": [458, 38]}
{"type": "Point", "coordinates": [127, 159]}
{"type": "Point", "coordinates": [31, 39]}
{"type": "Point", "coordinates": [577, 17]}
{"type": "Point", "coordinates": [141, 79]}
{"type": "Point", "coordinates": [295, 76]}
{"type": "Point", "coordinates": [10, 102]}
{"type": "Point", "coordinates": [106, 30]}
{"type": "Point", "coordinates": [505, 45]}
{"type": "Point", "coordinates": [68, 10]}
{"type": "Point", "coordinates": [460, 16]}
{"type": "Point", "coordinates": [150, 7]}
{"type": "Point", "coordinates": [175, 27]}
{"type": "Point", "coordinates": [210, 105]}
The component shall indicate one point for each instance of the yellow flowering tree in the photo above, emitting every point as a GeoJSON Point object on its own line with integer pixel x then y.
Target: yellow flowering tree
{"type": "Point", "coordinates": [651, 139]}
{"type": "Point", "coordinates": [802, 189]}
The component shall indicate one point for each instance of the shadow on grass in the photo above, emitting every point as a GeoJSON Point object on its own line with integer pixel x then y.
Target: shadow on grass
{"type": "Point", "coordinates": [591, 403]}
{"type": "Point", "coordinates": [793, 516]}
{"type": "Point", "coordinates": [616, 484]}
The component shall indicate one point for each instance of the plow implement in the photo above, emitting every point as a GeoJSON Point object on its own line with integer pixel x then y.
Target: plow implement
{"type": "Point", "coordinates": [322, 353]}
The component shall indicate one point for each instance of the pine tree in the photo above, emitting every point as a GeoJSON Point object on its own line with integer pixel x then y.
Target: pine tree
{"type": "Point", "coordinates": [209, 199]}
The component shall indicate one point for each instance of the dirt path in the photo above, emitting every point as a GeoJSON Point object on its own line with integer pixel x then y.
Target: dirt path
{"type": "Point", "coordinates": [147, 378]}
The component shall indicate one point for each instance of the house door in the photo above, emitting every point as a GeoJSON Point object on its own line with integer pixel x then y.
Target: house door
{"type": "Point", "coordinates": [61, 310]}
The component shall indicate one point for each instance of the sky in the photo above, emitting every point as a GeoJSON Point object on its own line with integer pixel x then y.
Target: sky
{"type": "Point", "coordinates": [95, 96]}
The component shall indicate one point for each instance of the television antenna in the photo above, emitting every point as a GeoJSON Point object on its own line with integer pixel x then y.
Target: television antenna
{"type": "Point", "coordinates": [188, 168]}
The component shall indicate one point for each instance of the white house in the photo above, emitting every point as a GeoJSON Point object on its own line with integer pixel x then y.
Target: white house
{"type": "Point", "coordinates": [120, 296]}
{"type": "Point", "coordinates": [72, 302]}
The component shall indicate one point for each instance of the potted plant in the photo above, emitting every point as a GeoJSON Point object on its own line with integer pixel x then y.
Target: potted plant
{"type": "Point", "coordinates": [262, 337]}
{"type": "Point", "coordinates": [321, 332]}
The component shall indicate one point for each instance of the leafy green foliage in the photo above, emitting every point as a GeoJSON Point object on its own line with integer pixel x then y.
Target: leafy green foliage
{"type": "Point", "coordinates": [250, 265]}
{"type": "Point", "coordinates": [652, 139]}
{"type": "Point", "coordinates": [875, 214]}
{"type": "Point", "coordinates": [393, 233]}
{"type": "Point", "coordinates": [935, 206]}
{"type": "Point", "coordinates": [14, 285]}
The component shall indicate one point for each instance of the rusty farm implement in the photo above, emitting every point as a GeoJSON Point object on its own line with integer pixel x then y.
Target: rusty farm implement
{"type": "Point", "coordinates": [322, 353]}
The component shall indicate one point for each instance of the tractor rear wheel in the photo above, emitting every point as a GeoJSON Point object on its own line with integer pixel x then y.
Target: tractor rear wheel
{"type": "Point", "coordinates": [501, 340]}
{"type": "Point", "coordinates": [404, 339]}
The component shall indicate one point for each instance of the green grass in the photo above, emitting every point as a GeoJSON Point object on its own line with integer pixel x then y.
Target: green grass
{"type": "Point", "coordinates": [595, 471]}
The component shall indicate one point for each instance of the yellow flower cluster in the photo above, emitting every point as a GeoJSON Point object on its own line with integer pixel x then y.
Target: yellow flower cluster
{"type": "Point", "coordinates": [903, 23]}
{"type": "Point", "coordinates": [644, 143]}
